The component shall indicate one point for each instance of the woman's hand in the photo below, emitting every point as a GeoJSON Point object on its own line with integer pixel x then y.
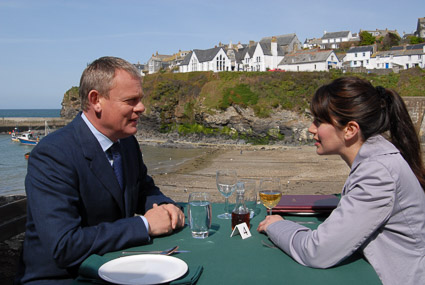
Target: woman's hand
{"type": "Point", "coordinates": [262, 227]}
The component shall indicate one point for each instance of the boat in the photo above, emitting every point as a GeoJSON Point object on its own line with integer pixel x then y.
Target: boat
{"type": "Point", "coordinates": [27, 155]}
{"type": "Point", "coordinates": [27, 138]}
{"type": "Point", "coordinates": [14, 135]}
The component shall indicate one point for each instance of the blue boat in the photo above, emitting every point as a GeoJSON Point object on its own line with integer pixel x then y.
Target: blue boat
{"type": "Point", "coordinates": [28, 139]}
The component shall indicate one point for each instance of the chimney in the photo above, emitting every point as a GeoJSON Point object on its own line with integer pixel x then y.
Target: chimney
{"type": "Point", "coordinates": [251, 43]}
{"type": "Point", "coordinates": [273, 46]}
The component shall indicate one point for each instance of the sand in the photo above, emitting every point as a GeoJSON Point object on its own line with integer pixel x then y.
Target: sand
{"type": "Point", "coordinates": [300, 170]}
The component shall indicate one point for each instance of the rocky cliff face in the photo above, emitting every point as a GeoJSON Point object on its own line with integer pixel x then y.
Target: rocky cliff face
{"type": "Point", "coordinates": [70, 103]}
{"type": "Point", "coordinates": [283, 125]}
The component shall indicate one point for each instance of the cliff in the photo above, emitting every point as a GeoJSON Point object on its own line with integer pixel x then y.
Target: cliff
{"type": "Point", "coordinates": [255, 107]}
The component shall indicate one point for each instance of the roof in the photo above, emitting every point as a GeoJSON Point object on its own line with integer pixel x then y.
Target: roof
{"type": "Point", "coordinates": [282, 40]}
{"type": "Point", "coordinates": [360, 49]}
{"type": "Point", "coordinates": [333, 35]}
{"type": "Point", "coordinates": [267, 49]}
{"type": "Point", "coordinates": [402, 50]}
{"type": "Point", "coordinates": [186, 59]}
{"type": "Point", "coordinates": [306, 56]}
{"type": "Point", "coordinates": [204, 55]}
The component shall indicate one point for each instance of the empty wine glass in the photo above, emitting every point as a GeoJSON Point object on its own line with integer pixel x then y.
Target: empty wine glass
{"type": "Point", "coordinates": [226, 184]}
{"type": "Point", "coordinates": [270, 192]}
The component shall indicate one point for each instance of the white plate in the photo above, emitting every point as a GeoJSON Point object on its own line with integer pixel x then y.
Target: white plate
{"type": "Point", "coordinates": [143, 269]}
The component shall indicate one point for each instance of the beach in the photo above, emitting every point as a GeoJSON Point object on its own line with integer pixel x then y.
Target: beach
{"type": "Point", "coordinates": [299, 168]}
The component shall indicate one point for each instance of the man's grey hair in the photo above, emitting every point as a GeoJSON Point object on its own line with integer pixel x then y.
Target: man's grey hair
{"type": "Point", "coordinates": [99, 75]}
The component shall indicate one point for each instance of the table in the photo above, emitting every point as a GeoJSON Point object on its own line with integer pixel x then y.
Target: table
{"type": "Point", "coordinates": [233, 260]}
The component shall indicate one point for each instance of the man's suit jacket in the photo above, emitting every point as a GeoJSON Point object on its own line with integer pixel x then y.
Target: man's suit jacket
{"type": "Point", "coordinates": [76, 206]}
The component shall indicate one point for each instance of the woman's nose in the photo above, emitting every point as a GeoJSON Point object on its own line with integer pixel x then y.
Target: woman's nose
{"type": "Point", "coordinates": [312, 129]}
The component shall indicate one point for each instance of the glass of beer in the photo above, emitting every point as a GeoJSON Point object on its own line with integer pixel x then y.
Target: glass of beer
{"type": "Point", "coordinates": [270, 192]}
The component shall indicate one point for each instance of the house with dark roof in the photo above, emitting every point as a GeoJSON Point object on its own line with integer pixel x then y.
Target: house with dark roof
{"type": "Point", "coordinates": [213, 59]}
{"type": "Point", "coordinates": [380, 33]}
{"type": "Point", "coordinates": [400, 57]}
{"type": "Point", "coordinates": [163, 61]}
{"type": "Point", "coordinates": [359, 56]}
{"type": "Point", "coordinates": [334, 39]}
{"type": "Point", "coordinates": [287, 43]}
{"type": "Point", "coordinates": [310, 60]}
{"type": "Point", "coordinates": [267, 55]}
{"type": "Point", "coordinates": [155, 63]}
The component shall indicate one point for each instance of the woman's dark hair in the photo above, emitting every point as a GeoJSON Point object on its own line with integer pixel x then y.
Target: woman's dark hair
{"type": "Point", "coordinates": [376, 110]}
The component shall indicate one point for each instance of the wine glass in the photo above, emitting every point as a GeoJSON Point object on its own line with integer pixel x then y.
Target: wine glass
{"type": "Point", "coordinates": [270, 192]}
{"type": "Point", "coordinates": [226, 184]}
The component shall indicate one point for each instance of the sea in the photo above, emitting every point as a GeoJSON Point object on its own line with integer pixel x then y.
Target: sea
{"type": "Point", "coordinates": [13, 165]}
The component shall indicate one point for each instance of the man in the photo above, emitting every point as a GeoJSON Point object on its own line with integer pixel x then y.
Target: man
{"type": "Point", "coordinates": [78, 202]}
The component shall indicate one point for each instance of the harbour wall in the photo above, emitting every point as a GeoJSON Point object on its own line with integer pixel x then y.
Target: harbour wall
{"type": "Point", "coordinates": [7, 124]}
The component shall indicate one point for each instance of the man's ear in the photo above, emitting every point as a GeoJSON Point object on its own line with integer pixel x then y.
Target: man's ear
{"type": "Point", "coordinates": [94, 99]}
{"type": "Point", "coordinates": [352, 130]}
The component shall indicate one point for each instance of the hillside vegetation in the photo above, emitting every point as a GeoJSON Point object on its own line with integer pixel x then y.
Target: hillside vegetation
{"type": "Point", "coordinates": [257, 107]}
{"type": "Point", "coordinates": [184, 95]}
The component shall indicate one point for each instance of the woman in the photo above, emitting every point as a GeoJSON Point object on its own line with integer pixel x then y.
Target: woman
{"type": "Point", "coordinates": [382, 206]}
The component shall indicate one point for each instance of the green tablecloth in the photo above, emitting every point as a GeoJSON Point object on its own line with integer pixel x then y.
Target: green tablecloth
{"type": "Point", "coordinates": [232, 260]}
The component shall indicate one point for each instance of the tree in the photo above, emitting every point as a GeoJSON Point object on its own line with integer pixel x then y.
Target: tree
{"type": "Point", "coordinates": [415, 40]}
{"type": "Point", "coordinates": [390, 40]}
{"type": "Point", "coordinates": [366, 39]}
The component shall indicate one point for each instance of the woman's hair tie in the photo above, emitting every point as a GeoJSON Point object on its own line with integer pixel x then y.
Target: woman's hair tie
{"type": "Point", "coordinates": [382, 92]}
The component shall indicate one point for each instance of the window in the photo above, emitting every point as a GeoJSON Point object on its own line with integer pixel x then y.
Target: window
{"type": "Point", "coordinates": [220, 63]}
{"type": "Point", "coordinates": [332, 58]}
{"type": "Point", "coordinates": [314, 67]}
{"type": "Point", "coordinates": [367, 61]}
{"type": "Point", "coordinates": [355, 62]}
{"type": "Point", "coordinates": [355, 55]}
{"type": "Point", "coordinates": [194, 65]}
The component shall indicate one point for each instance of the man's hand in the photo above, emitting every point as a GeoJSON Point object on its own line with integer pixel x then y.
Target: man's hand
{"type": "Point", "coordinates": [176, 215]}
{"type": "Point", "coordinates": [262, 227]}
{"type": "Point", "coordinates": [164, 219]}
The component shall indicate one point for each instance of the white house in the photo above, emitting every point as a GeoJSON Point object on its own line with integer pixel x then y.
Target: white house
{"type": "Point", "coordinates": [246, 56]}
{"type": "Point", "coordinates": [359, 56]}
{"type": "Point", "coordinates": [214, 59]}
{"type": "Point", "coordinates": [334, 39]}
{"type": "Point", "coordinates": [266, 56]}
{"type": "Point", "coordinates": [156, 62]}
{"type": "Point", "coordinates": [310, 60]}
{"type": "Point", "coordinates": [403, 57]}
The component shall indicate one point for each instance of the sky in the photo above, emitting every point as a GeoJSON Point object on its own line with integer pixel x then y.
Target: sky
{"type": "Point", "coordinates": [46, 44]}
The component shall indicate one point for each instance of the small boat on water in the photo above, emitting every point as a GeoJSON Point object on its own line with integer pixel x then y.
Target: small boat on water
{"type": "Point", "coordinates": [27, 155]}
{"type": "Point", "coordinates": [14, 135]}
{"type": "Point", "coordinates": [27, 138]}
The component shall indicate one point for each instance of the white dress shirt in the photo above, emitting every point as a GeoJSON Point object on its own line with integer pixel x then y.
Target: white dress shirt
{"type": "Point", "coordinates": [105, 144]}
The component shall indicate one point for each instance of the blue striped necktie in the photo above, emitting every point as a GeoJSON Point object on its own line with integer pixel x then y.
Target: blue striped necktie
{"type": "Point", "coordinates": [117, 163]}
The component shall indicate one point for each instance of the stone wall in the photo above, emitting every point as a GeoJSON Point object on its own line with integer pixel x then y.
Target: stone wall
{"type": "Point", "coordinates": [416, 108]}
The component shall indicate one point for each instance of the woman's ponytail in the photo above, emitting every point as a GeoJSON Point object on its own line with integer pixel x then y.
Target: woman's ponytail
{"type": "Point", "coordinates": [403, 134]}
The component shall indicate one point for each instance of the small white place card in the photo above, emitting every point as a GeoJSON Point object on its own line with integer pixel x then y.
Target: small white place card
{"type": "Point", "coordinates": [243, 231]}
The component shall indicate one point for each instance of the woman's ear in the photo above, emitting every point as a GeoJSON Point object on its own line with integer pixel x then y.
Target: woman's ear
{"type": "Point", "coordinates": [94, 99]}
{"type": "Point", "coordinates": [352, 130]}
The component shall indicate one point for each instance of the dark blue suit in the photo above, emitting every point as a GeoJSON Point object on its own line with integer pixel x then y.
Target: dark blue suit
{"type": "Point", "coordinates": [75, 205]}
